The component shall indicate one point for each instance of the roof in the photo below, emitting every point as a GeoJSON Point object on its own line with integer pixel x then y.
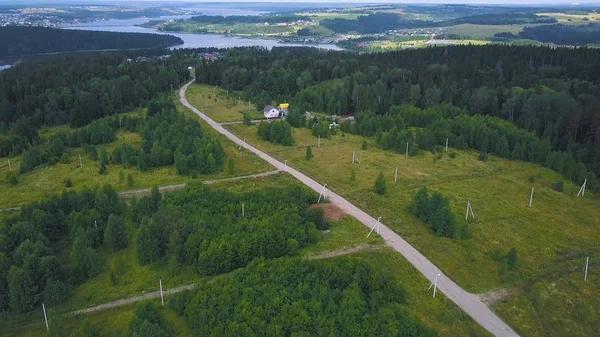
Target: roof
{"type": "Point", "coordinates": [268, 108]}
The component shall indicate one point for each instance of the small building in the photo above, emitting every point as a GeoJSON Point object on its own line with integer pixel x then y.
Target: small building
{"type": "Point", "coordinates": [272, 112]}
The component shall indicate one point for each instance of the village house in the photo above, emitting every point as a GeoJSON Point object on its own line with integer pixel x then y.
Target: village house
{"type": "Point", "coordinates": [273, 112]}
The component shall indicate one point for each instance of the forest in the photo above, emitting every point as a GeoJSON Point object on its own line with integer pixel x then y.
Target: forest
{"type": "Point", "coordinates": [22, 40]}
{"type": "Point", "coordinates": [557, 34]}
{"type": "Point", "coordinates": [77, 89]}
{"type": "Point", "coordinates": [510, 18]}
{"type": "Point", "coordinates": [543, 101]}
{"type": "Point", "coordinates": [290, 297]}
{"type": "Point", "coordinates": [54, 245]}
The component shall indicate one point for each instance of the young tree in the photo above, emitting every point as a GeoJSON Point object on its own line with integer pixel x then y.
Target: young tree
{"type": "Point", "coordinates": [511, 259]}
{"type": "Point", "coordinates": [309, 154]}
{"type": "Point", "coordinates": [380, 185]}
{"type": "Point", "coordinates": [247, 120]}
{"type": "Point", "coordinates": [115, 235]}
{"type": "Point", "coordinates": [420, 203]}
{"type": "Point", "coordinates": [364, 144]}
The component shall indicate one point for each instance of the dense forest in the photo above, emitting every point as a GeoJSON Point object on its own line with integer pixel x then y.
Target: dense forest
{"type": "Point", "coordinates": [289, 297]}
{"type": "Point", "coordinates": [510, 18]}
{"type": "Point", "coordinates": [548, 96]}
{"type": "Point", "coordinates": [21, 40]}
{"type": "Point", "coordinates": [58, 243]}
{"type": "Point", "coordinates": [78, 89]}
{"type": "Point", "coordinates": [557, 34]}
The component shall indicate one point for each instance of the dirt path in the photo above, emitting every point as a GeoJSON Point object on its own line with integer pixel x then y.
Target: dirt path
{"type": "Point", "coordinates": [345, 251]}
{"type": "Point", "coordinates": [170, 188]}
{"type": "Point", "coordinates": [470, 303]}
{"type": "Point", "coordinates": [126, 301]}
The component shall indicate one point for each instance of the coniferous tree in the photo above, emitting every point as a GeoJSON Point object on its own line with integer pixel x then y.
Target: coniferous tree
{"type": "Point", "coordinates": [380, 185]}
{"type": "Point", "coordinates": [309, 154]}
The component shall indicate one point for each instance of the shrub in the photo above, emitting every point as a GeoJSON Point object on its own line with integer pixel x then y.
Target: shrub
{"type": "Point", "coordinates": [68, 183]}
{"type": "Point", "coordinates": [247, 120]}
{"type": "Point", "coordinates": [511, 259]}
{"type": "Point", "coordinates": [532, 179]}
{"type": "Point", "coordinates": [230, 166]}
{"type": "Point", "coordinates": [65, 158]}
{"type": "Point", "coordinates": [12, 178]}
{"type": "Point", "coordinates": [483, 156]}
{"type": "Point", "coordinates": [452, 154]}
{"type": "Point", "coordinates": [559, 186]}
{"type": "Point", "coordinates": [364, 144]}
{"type": "Point", "coordinates": [130, 181]}
{"type": "Point", "coordinates": [380, 185]}
{"type": "Point", "coordinates": [309, 154]}
{"type": "Point", "coordinates": [317, 216]}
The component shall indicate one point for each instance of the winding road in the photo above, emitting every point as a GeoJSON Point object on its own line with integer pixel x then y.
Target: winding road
{"type": "Point", "coordinates": [468, 302]}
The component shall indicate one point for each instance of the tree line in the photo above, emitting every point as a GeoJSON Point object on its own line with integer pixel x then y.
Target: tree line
{"type": "Point", "coordinates": [77, 89]}
{"type": "Point", "coordinates": [557, 34]}
{"type": "Point", "coordinates": [550, 92]}
{"type": "Point", "coordinates": [23, 40]}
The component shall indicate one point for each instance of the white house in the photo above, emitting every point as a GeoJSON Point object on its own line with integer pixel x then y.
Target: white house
{"type": "Point", "coordinates": [272, 112]}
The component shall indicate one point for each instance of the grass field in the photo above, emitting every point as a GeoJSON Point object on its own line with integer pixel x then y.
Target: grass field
{"type": "Point", "coordinates": [557, 232]}
{"type": "Point", "coordinates": [47, 180]}
{"type": "Point", "coordinates": [330, 16]}
{"type": "Point", "coordinates": [484, 31]}
{"type": "Point", "coordinates": [573, 19]}
{"type": "Point", "coordinates": [215, 103]}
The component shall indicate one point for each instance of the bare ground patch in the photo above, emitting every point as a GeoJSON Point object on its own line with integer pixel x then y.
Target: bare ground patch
{"type": "Point", "coordinates": [332, 212]}
{"type": "Point", "coordinates": [346, 251]}
{"type": "Point", "coordinates": [493, 296]}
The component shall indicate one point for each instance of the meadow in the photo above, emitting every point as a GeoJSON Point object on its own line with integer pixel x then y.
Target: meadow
{"type": "Point", "coordinates": [36, 184]}
{"type": "Point", "coordinates": [551, 238]}
{"type": "Point", "coordinates": [574, 19]}
{"type": "Point", "coordinates": [439, 313]}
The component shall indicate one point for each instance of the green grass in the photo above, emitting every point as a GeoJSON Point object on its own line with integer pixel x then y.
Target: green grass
{"type": "Point", "coordinates": [576, 19]}
{"type": "Point", "coordinates": [215, 103]}
{"type": "Point", "coordinates": [484, 31]}
{"type": "Point", "coordinates": [48, 180]}
{"type": "Point", "coordinates": [330, 16]}
{"type": "Point", "coordinates": [552, 233]}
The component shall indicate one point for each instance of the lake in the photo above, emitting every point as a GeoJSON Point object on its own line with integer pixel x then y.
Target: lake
{"type": "Point", "coordinates": [190, 40]}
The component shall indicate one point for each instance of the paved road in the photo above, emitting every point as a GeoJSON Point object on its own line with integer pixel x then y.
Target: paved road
{"type": "Point", "coordinates": [466, 301]}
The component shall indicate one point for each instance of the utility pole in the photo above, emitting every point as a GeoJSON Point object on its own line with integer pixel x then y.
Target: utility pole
{"type": "Point", "coordinates": [587, 262]}
{"type": "Point", "coordinates": [446, 144]}
{"type": "Point", "coordinates": [322, 195]}
{"type": "Point", "coordinates": [243, 213]}
{"type": "Point", "coordinates": [406, 155]}
{"type": "Point", "coordinates": [242, 145]}
{"type": "Point", "coordinates": [434, 285]}
{"type": "Point", "coordinates": [9, 166]}
{"type": "Point", "coordinates": [354, 156]}
{"type": "Point", "coordinates": [162, 300]}
{"type": "Point", "coordinates": [45, 317]}
{"type": "Point", "coordinates": [375, 228]}
{"type": "Point", "coordinates": [319, 143]}
{"type": "Point", "coordinates": [285, 166]}
{"type": "Point", "coordinates": [469, 208]}
{"type": "Point", "coordinates": [396, 175]}
{"type": "Point", "coordinates": [531, 197]}
{"type": "Point", "coordinates": [80, 163]}
{"type": "Point", "coordinates": [582, 189]}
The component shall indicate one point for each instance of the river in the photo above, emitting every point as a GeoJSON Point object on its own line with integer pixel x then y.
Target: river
{"type": "Point", "coordinates": [189, 40]}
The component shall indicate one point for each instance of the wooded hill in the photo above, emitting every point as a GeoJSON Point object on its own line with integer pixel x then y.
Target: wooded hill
{"type": "Point", "coordinates": [21, 40]}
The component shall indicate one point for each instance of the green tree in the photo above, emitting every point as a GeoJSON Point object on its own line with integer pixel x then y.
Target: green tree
{"type": "Point", "coordinates": [420, 203]}
{"type": "Point", "coordinates": [364, 144]}
{"type": "Point", "coordinates": [148, 242]}
{"type": "Point", "coordinates": [56, 292]}
{"type": "Point", "coordinates": [380, 185]}
{"type": "Point", "coordinates": [22, 290]}
{"type": "Point", "coordinates": [12, 178]}
{"type": "Point", "coordinates": [247, 119]}
{"type": "Point", "coordinates": [309, 154]}
{"type": "Point", "coordinates": [115, 235]}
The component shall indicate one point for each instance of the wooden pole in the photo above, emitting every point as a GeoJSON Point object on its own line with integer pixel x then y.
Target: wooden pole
{"type": "Point", "coordinates": [319, 143]}
{"type": "Point", "coordinates": [162, 300]}
{"type": "Point", "coordinates": [446, 144]}
{"type": "Point", "coordinates": [396, 175]}
{"type": "Point", "coordinates": [406, 155]}
{"type": "Point", "coordinates": [45, 317]}
{"type": "Point", "coordinates": [531, 197]}
{"type": "Point", "coordinates": [587, 262]}
{"type": "Point", "coordinates": [9, 166]}
{"type": "Point", "coordinates": [243, 210]}
{"type": "Point", "coordinates": [80, 163]}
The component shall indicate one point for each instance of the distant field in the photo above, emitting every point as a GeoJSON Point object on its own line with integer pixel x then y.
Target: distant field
{"type": "Point", "coordinates": [573, 19]}
{"type": "Point", "coordinates": [552, 237]}
{"type": "Point", "coordinates": [484, 31]}
{"type": "Point", "coordinates": [331, 16]}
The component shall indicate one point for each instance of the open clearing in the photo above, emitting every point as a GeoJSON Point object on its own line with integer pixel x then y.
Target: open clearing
{"type": "Point", "coordinates": [573, 19]}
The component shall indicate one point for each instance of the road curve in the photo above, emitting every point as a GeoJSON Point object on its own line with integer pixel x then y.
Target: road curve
{"type": "Point", "coordinates": [468, 302]}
